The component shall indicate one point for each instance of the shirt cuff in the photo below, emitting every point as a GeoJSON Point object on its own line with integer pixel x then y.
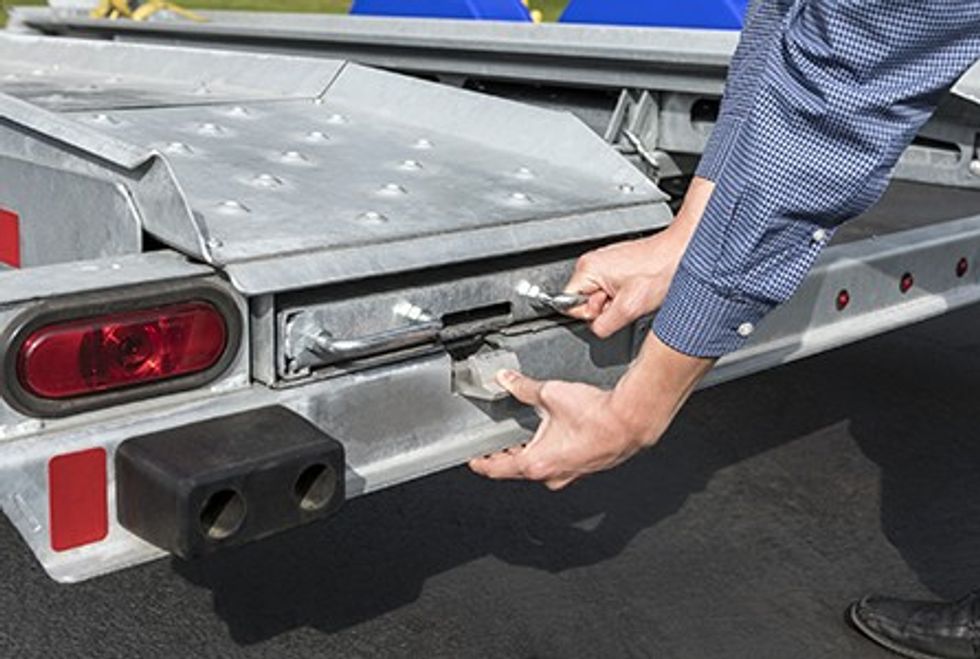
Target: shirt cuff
{"type": "Point", "coordinates": [697, 320]}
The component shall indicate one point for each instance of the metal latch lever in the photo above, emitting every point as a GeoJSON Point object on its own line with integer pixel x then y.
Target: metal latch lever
{"type": "Point", "coordinates": [560, 302]}
{"type": "Point", "coordinates": [325, 345]}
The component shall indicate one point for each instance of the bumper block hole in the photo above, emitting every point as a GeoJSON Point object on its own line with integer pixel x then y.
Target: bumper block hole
{"type": "Point", "coordinates": [316, 487]}
{"type": "Point", "coordinates": [223, 514]}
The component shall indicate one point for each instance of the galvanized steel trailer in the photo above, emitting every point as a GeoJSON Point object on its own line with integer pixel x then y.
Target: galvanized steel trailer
{"type": "Point", "coordinates": [653, 92]}
{"type": "Point", "coordinates": [242, 287]}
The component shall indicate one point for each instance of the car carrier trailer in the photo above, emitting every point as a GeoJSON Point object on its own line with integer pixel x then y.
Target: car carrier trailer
{"type": "Point", "coordinates": [242, 287]}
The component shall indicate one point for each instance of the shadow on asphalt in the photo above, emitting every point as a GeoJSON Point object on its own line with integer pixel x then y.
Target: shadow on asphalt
{"type": "Point", "coordinates": [378, 553]}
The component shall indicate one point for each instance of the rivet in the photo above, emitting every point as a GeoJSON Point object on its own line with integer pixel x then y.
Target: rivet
{"type": "Point", "coordinates": [105, 119]}
{"type": "Point", "coordinates": [239, 111]}
{"type": "Point", "coordinates": [975, 167]}
{"type": "Point", "coordinates": [411, 165]}
{"type": "Point", "coordinates": [179, 148]}
{"type": "Point", "coordinates": [202, 89]}
{"type": "Point", "coordinates": [524, 173]}
{"type": "Point", "coordinates": [214, 243]}
{"type": "Point", "coordinates": [423, 143]}
{"type": "Point", "coordinates": [372, 217]}
{"type": "Point", "coordinates": [116, 266]}
{"type": "Point", "coordinates": [745, 329]}
{"type": "Point", "coordinates": [336, 119]}
{"type": "Point", "coordinates": [627, 188]}
{"type": "Point", "coordinates": [521, 197]}
{"type": "Point", "coordinates": [392, 189]}
{"type": "Point", "coordinates": [210, 128]}
{"type": "Point", "coordinates": [232, 207]}
{"type": "Point", "coordinates": [267, 181]}
{"type": "Point", "coordinates": [317, 136]}
{"type": "Point", "coordinates": [294, 158]}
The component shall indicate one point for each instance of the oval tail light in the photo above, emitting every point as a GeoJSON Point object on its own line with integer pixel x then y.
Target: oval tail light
{"type": "Point", "coordinates": [126, 349]}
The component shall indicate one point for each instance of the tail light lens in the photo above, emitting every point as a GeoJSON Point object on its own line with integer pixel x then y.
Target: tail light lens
{"type": "Point", "coordinates": [75, 358]}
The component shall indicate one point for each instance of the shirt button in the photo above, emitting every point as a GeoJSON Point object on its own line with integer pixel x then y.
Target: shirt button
{"type": "Point", "coordinates": [820, 236]}
{"type": "Point", "coordinates": [746, 329]}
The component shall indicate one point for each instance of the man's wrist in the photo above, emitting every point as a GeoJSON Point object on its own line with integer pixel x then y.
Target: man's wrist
{"type": "Point", "coordinates": [655, 388]}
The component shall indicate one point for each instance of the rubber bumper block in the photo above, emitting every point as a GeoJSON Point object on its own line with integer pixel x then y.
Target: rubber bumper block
{"type": "Point", "coordinates": [223, 482]}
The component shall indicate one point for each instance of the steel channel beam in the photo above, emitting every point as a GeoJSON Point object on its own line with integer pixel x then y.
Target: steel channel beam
{"type": "Point", "coordinates": [580, 56]}
{"type": "Point", "coordinates": [426, 427]}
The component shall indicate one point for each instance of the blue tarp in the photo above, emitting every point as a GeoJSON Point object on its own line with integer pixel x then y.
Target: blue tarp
{"type": "Point", "coordinates": [716, 14]}
{"type": "Point", "coordinates": [499, 10]}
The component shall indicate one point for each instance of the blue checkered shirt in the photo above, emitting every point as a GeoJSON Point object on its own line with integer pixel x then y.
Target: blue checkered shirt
{"type": "Point", "coordinates": [822, 98]}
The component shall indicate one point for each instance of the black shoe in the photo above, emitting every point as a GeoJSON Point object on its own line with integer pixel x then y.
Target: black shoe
{"type": "Point", "coordinates": [922, 630]}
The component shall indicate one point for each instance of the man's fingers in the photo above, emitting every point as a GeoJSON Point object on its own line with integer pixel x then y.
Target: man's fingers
{"type": "Point", "coordinates": [498, 466]}
{"type": "Point", "coordinates": [620, 312]}
{"type": "Point", "coordinates": [521, 387]}
{"type": "Point", "coordinates": [591, 309]}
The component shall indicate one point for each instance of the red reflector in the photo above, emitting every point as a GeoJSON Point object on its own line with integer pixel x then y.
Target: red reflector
{"type": "Point", "coordinates": [843, 299]}
{"type": "Point", "coordinates": [9, 238]}
{"type": "Point", "coordinates": [92, 355]}
{"type": "Point", "coordinates": [77, 499]}
{"type": "Point", "coordinates": [907, 282]}
{"type": "Point", "coordinates": [962, 267]}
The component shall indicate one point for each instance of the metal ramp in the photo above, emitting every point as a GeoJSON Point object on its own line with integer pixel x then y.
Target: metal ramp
{"type": "Point", "coordinates": [653, 92]}
{"type": "Point", "coordinates": [290, 172]}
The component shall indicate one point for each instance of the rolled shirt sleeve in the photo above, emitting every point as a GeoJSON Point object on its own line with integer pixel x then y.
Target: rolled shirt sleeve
{"type": "Point", "coordinates": [819, 118]}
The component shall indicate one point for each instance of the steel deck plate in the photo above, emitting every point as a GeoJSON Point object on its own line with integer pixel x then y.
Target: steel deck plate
{"type": "Point", "coordinates": [371, 173]}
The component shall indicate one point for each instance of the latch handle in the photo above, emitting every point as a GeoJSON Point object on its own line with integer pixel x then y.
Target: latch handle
{"type": "Point", "coordinates": [326, 346]}
{"type": "Point", "coordinates": [560, 302]}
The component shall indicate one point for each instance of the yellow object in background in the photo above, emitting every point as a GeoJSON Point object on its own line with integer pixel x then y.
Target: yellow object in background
{"type": "Point", "coordinates": [536, 14]}
{"type": "Point", "coordinates": [114, 9]}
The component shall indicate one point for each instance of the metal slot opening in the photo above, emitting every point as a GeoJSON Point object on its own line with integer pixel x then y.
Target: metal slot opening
{"type": "Point", "coordinates": [948, 148]}
{"type": "Point", "coordinates": [705, 111]}
{"type": "Point", "coordinates": [477, 315]}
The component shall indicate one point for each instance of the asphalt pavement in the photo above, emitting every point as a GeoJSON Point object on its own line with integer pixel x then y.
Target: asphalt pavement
{"type": "Point", "coordinates": [773, 502]}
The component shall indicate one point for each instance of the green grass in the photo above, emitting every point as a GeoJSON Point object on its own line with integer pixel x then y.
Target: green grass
{"type": "Point", "coordinates": [551, 9]}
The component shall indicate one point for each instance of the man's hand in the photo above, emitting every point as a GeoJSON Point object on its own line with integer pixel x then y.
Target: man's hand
{"type": "Point", "coordinates": [584, 430]}
{"type": "Point", "coordinates": [629, 280]}
{"type": "Point", "coordinates": [580, 433]}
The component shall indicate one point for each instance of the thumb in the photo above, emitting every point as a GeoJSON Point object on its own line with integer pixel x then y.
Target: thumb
{"type": "Point", "coordinates": [521, 387]}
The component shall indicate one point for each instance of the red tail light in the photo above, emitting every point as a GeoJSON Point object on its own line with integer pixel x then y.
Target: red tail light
{"type": "Point", "coordinates": [120, 350]}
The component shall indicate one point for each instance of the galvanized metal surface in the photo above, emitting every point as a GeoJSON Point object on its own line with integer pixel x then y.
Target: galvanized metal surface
{"type": "Point", "coordinates": [680, 67]}
{"type": "Point", "coordinates": [600, 56]}
{"type": "Point", "coordinates": [17, 286]}
{"type": "Point", "coordinates": [403, 420]}
{"type": "Point", "coordinates": [375, 173]}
